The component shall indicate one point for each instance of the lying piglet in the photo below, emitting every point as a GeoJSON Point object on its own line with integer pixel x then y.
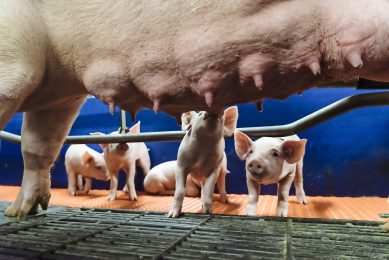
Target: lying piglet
{"type": "Point", "coordinates": [162, 180]}
{"type": "Point", "coordinates": [272, 160]}
{"type": "Point", "coordinates": [201, 154]}
{"type": "Point", "coordinates": [125, 156]}
{"type": "Point", "coordinates": [82, 161]}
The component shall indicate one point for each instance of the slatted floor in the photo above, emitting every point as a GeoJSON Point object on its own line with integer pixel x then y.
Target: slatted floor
{"type": "Point", "coordinates": [71, 233]}
{"type": "Point", "coordinates": [363, 208]}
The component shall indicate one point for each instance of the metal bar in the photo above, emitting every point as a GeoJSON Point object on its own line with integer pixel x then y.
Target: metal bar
{"type": "Point", "coordinates": [342, 106]}
{"type": "Point", "coordinates": [123, 123]}
{"type": "Point", "coordinates": [12, 138]}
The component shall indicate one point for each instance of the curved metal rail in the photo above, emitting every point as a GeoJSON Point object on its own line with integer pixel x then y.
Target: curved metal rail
{"type": "Point", "coordinates": [342, 106]}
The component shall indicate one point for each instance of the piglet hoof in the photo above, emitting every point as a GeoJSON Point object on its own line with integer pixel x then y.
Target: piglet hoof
{"type": "Point", "coordinates": [224, 199]}
{"type": "Point", "coordinates": [301, 199]}
{"type": "Point", "coordinates": [111, 197]}
{"type": "Point", "coordinates": [251, 213]}
{"type": "Point", "coordinates": [282, 212]}
{"type": "Point", "coordinates": [72, 191]}
{"type": "Point", "coordinates": [133, 196]}
{"type": "Point", "coordinates": [207, 208]}
{"type": "Point", "coordinates": [174, 213]}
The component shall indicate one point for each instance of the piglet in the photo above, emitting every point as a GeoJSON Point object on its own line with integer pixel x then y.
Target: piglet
{"type": "Point", "coordinates": [201, 154]}
{"type": "Point", "coordinates": [82, 161]}
{"type": "Point", "coordinates": [272, 160]}
{"type": "Point", "coordinates": [125, 156]}
{"type": "Point", "coordinates": [161, 179]}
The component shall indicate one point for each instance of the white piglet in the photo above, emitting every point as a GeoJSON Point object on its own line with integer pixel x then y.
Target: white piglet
{"type": "Point", "coordinates": [272, 160]}
{"type": "Point", "coordinates": [125, 156]}
{"type": "Point", "coordinates": [201, 154]}
{"type": "Point", "coordinates": [162, 180]}
{"type": "Point", "coordinates": [84, 162]}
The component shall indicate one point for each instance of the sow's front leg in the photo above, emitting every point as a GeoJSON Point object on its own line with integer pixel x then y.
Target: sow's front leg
{"type": "Point", "coordinates": [43, 133]}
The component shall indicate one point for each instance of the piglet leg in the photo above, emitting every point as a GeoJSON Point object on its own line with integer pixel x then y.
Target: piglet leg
{"type": "Point", "coordinates": [113, 184]}
{"type": "Point", "coordinates": [179, 194]}
{"type": "Point", "coordinates": [221, 186]}
{"type": "Point", "coordinates": [298, 183]}
{"type": "Point", "coordinates": [88, 185]}
{"type": "Point", "coordinates": [208, 190]}
{"type": "Point", "coordinates": [130, 172]}
{"type": "Point", "coordinates": [252, 202]}
{"type": "Point", "coordinates": [43, 133]}
{"type": "Point", "coordinates": [283, 195]}
{"type": "Point", "coordinates": [125, 188]}
{"type": "Point", "coordinates": [80, 182]}
{"type": "Point", "coordinates": [72, 182]}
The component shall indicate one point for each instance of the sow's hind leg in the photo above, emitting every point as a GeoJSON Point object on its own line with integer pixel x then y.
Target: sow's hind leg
{"type": "Point", "coordinates": [43, 133]}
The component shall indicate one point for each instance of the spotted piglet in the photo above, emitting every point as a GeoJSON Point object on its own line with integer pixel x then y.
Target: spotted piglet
{"type": "Point", "coordinates": [272, 160]}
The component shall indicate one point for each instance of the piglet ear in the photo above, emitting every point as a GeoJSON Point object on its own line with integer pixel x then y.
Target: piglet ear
{"type": "Point", "coordinates": [243, 144]}
{"type": "Point", "coordinates": [230, 120]}
{"type": "Point", "coordinates": [293, 151]}
{"type": "Point", "coordinates": [186, 119]}
{"type": "Point", "coordinates": [99, 133]}
{"type": "Point", "coordinates": [87, 158]}
{"type": "Point", "coordinates": [135, 129]}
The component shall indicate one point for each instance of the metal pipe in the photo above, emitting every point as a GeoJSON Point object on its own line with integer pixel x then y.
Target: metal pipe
{"type": "Point", "coordinates": [123, 122]}
{"type": "Point", "coordinates": [342, 106]}
{"type": "Point", "coordinates": [12, 138]}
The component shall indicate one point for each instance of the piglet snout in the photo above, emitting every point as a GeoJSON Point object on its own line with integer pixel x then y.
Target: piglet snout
{"type": "Point", "coordinates": [211, 115]}
{"type": "Point", "coordinates": [122, 147]}
{"type": "Point", "coordinates": [255, 167]}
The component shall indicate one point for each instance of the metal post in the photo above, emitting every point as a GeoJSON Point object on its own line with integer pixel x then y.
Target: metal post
{"type": "Point", "coordinates": [123, 124]}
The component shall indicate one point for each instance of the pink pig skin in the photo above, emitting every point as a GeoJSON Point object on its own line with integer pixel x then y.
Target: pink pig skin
{"type": "Point", "coordinates": [173, 56]}
{"type": "Point", "coordinates": [201, 153]}
{"type": "Point", "coordinates": [272, 160]}
{"type": "Point", "coordinates": [84, 162]}
{"type": "Point", "coordinates": [161, 179]}
{"type": "Point", "coordinates": [125, 156]}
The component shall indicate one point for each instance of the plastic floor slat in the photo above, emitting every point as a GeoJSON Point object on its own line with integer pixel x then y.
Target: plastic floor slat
{"type": "Point", "coordinates": [363, 208]}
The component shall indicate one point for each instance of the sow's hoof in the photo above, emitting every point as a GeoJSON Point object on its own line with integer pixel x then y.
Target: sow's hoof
{"type": "Point", "coordinates": [27, 204]}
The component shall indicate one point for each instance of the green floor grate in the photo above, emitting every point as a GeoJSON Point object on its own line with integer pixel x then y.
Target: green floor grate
{"type": "Point", "coordinates": [69, 233]}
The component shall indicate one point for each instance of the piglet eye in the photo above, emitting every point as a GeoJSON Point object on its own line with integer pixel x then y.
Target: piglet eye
{"type": "Point", "coordinates": [98, 167]}
{"type": "Point", "coordinates": [276, 154]}
{"type": "Point", "coordinates": [251, 151]}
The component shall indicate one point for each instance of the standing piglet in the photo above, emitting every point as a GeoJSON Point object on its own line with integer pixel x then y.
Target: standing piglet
{"type": "Point", "coordinates": [201, 154]}
{"type": "Point", "coordinates": [161, 179]}
{"type": "Point", "coordinates": [272, 160]}
{"type": "Point", "coordinates": [82, 161]}
{"type": "Point", "coordinates": [125, 156]}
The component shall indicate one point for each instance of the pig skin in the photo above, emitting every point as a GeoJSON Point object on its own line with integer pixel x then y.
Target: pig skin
{"type": "Point", "coordinates": [174, 56]}
{"type": "Point", "coordinates": [161, 180]}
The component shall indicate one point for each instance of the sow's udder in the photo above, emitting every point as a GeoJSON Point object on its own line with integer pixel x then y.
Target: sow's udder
{"type": "Point", "coordinates": [273, 51]}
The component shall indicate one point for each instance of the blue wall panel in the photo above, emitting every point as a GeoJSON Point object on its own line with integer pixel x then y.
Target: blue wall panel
{"type": "Point", "coordinates": [346, 156]}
